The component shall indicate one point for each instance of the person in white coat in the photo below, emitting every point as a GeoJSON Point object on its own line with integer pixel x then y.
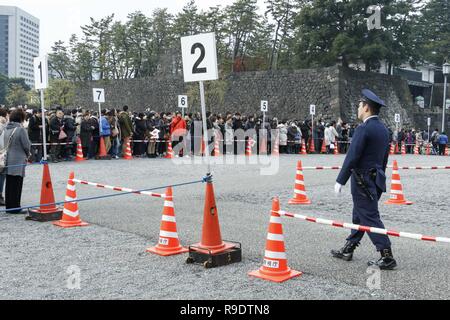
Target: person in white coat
{"type": "Point", "coordinates": [283, 130]}
{"type": "Point", "coordinates": [330, 137]}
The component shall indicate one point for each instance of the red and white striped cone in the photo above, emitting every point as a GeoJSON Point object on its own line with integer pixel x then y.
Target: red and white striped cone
{"type": "Point", "coordinates": [169, 154]}
{"type": "Point", "coordinates": [217, 148]}
{"type": "Point", "coordinates": [396, 148]}
{"type": "Point", "coordinates": [300, 197]}
{"type": "Point", "coordinates": [71, 216]}
{"type": "Point", "coordinates": [428, 150]}
{"type": "Point", "coordinates": [447, 152]}
{"type": "Point", "coordinates": [397, 196]}
{"type": "Point", "coordinates": [168, 244]}
{"type": "Point", "coordinates": [303, 150]}
{"type": "Point", "coordinates": [312, 147]}
{"type": "Point", "coordinates": [336, 149]}
{"type": "Point", "coordinates": [79, 157]}
{"type": "Point", "coordinates": [392, 149]}
{"type": "Point", "coordinates": [416, 150]}
{"type": "Point", "coordinates": [248, 149]}
{"type": "Point", "coordinates": [403, 148]}
{"type": "Point", "coordinates": [275, 266]}
{"type": "Point", "coordinates": [128, 155]}
{"type": "Point", "coordinates": [276, 148]}
{"type": "Point", "coordinates": [324, 147]}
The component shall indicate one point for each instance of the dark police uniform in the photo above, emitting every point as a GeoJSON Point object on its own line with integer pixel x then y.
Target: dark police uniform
{"type": "Point", "coordinates": [366, 164]}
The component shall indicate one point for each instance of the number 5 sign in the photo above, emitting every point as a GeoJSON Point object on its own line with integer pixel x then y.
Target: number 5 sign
{"type": "Point", "coordinates": [40, 73]}
{"type": "Point", "coordinates": [199, 57]}
{"type": "Point", "coordinates": [99, 95]}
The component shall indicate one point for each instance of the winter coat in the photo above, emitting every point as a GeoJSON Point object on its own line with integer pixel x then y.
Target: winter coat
{"type": "Point", "coordinates": [443, 139]}
{"type": "Point", "coordinates": [126, 126]}
{"type": "Point", "coordinates": [283, 134]}
{"type": "Point", "coordinates": [330, 135]}
{"type": "Point", "coordinates": [140, 129]}
{"type": "Point", "coordinates": [106, 127]}
{"type": "Point", "coordinates": [35, 130]}
{"type": "Point", "coordinates": [69, 127]}
{"type": "Point", "coordinates": [19, 149]}
{"type": "Point", "coordinates": [178, 125]}
{"type": "Point", "coordinates": [55, 127]}
{"type": "Point", "coordinates": [86, 133]}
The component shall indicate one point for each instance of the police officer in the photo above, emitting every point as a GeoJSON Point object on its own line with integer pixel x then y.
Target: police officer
{"type": "Point", "coordinates": [366, 163]}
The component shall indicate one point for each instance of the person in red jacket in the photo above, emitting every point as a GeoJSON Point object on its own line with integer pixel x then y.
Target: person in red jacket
{"type": "Point", "coordinates": [178, 132]}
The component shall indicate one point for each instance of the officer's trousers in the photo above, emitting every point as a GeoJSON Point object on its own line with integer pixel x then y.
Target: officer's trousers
{"type": "Point", "coordinates": [365, 213]}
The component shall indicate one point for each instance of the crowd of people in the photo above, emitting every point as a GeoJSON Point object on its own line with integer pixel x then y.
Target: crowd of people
{"type": "Point", "coordinates": [148, 133]}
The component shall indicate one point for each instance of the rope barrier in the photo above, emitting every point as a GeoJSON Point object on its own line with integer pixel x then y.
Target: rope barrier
{"type": "Point", "coordinates": [119, 189]}
{"type": "Point", "coordinates": [351, 226]}
{"type": "Point", "coordinates": [205, 179]}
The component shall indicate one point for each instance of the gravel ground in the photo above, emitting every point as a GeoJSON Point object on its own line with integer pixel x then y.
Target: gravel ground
{"type": "Point", "coordinates": [36, 259]}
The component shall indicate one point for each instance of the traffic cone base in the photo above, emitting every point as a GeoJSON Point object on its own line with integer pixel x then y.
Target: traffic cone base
{"type": "Point", "coordinates": [167, 252]}
{"type": "Point", "coordinates": [300, 202]}
{"type": "Point", "coordinates": [399, 202]}
{"type": "Point", "coordinates": [65, 225]}
{"type": "Point", "coordinates": [212, 249]}
{"type": "Point", "coordinates": [284, 276]}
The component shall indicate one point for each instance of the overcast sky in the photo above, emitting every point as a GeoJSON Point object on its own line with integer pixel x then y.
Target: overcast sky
{"type": "Point", "coordinates": [61, 18]}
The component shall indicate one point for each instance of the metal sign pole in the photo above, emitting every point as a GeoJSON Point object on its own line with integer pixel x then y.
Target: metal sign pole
{"type": "Point", "coordinates": [99, 119]}
{"type": "Point", "coordinates": [44, 136]}
{"type": "Point", "coordinates": [205, 127]}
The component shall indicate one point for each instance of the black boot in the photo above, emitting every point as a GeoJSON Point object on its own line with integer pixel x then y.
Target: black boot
{"type": "Point", "coordinates": [387, 261]}
{"type": "Point", "coordinates": [346, 253]}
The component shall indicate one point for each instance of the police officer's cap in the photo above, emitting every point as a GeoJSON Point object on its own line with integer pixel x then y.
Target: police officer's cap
{"type": "Point", "coordinates": [369, 95]}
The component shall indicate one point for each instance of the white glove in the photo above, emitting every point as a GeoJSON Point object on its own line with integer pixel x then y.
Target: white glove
{"type": "Point", "coordinates": [338, 189]}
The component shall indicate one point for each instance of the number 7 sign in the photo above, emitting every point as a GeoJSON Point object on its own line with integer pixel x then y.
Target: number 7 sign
{"type": "Point", "coordinates": [99, 95]}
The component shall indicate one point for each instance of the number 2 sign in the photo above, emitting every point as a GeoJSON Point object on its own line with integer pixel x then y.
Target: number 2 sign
{"type": "Point", "coordinates": [199, 57]}
{"type": "Point", "coordinates": [99, 95]}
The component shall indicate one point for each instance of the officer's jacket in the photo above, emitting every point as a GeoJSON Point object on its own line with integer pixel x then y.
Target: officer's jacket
{"type": "Point", "coordinates": [369, 150]}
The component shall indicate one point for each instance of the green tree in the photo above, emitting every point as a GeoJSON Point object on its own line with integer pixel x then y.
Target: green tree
{"type": "Point", "coordinates": [59, 60]}
{"type": "Point", "coordinates": [60, 92]}
{"type": "Point", "coordinates": [16, 95]}
{"type": "Point", "coordinates": [433, 30]}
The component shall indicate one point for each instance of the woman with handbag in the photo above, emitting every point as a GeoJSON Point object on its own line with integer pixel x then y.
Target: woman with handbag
{"type": "Point", "coordinates": [18, 151]}
{"type": "Point", "coordinates": [57, 134]}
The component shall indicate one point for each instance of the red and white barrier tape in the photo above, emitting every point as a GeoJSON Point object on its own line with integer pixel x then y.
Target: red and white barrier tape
{"type": "Point", "coordinates": [119, 189]}
{"type": "Point", "coordinates": [351, 226]}
{"type": "Point", "coordinates": [401, 168]}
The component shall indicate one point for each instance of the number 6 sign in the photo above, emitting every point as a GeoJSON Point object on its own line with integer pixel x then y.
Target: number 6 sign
{"type": "Point", "coordinates": [199, 57]}
{"type": "Point", "coordinates": [99, 95]}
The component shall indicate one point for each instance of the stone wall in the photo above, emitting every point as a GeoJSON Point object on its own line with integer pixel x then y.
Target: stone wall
{"type": "Point", "coordinates": [335, 92]}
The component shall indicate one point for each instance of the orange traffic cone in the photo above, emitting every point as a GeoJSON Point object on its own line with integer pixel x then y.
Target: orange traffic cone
{"type": "Point", "coordinates": [396, 148]}
{"type": "Point", "coordinates": [203, 150]}
{"type": "Point", "coordinates": [300, 197]}
{"type": "Point", "coordinates": [447, 152]}
{"type": "Point", "coordinates": [397, 196]}
{"type": "Point", "coordinates": [263, 146]}
{"type": "Point", "coordinates": [312, 147]}
{"type": "Point", "coordinates": [427, 150]}
{"type": "Point", "coordinates": [336, 149]}
{"type": "Point", "coordinates": [46, 213]}
{"type": "Point", "coordinates": [71, 216]}
{"type": "Point", "coordinates": [392, 149]}
{"type": "Point", "coordinates": [169, 244]}
{"type": "Point", "coordinates": [128, 155]}
{"type": "Point", "coordinates": [324, 147]}
{"type": "Point", "coordinates": [102, 155]}
{"type": "Point", "coordinates": [169, 154]}
{"type": "Point", "coordinates": [303, 150]}
{"type": "Point", "coordinates": [248, 149]}
{"type": "Point", "coordinates": [211, 237]}
{"type": "Point", "coordinates": [79, 157]}
{"type": "Point", "coordinates": [275, 266]}
{"type": "Point", "coordinates": [403, 148]}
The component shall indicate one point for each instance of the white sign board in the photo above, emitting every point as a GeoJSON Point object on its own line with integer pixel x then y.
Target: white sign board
{"type": "Point", "coordinates": [312, 110]}
{"type": "Point", "coordinates": [264, 106]}
{"type": "Point", "coordinates": [183, 102]}
{"type": "Point", "coordinates": [99, 95]}
{"type": "Point", "coordinates": [41, 73]}
{"type": "Point", "coordinates": [397, 118]}
{"type": "Point", "coordinates": [199, 57]}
